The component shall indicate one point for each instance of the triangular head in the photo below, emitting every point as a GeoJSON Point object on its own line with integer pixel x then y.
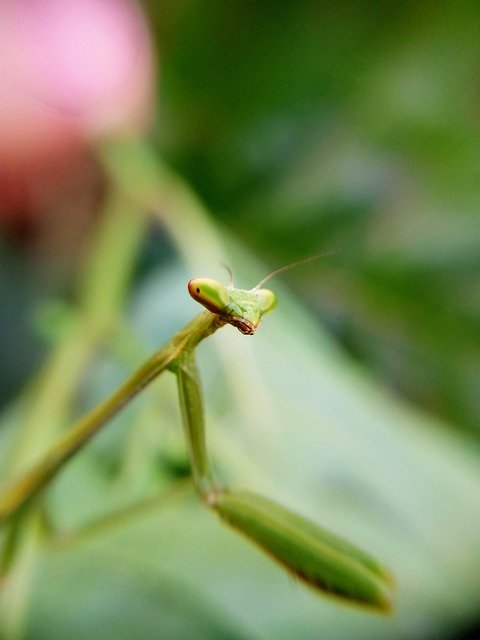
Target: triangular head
{"type": "Point", "coordinates": [240, 308]}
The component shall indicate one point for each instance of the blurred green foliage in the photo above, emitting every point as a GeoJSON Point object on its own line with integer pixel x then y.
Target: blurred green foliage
{"type": "Point", "coordinates": [354, 126]}
{"type": "Point", "coordinates": [305, 127]}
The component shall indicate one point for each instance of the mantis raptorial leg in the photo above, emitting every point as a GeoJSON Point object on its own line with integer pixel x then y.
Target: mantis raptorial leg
{"type": "Point", "coordinates": [318, 557]}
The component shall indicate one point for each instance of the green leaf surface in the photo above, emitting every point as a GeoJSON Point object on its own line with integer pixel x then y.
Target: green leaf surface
{"type": "Point", "coordinates": [310, 430]}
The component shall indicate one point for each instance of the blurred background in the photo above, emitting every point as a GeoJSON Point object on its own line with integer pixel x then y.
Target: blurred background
{"type": "Point", "coordinates": [288, 129]}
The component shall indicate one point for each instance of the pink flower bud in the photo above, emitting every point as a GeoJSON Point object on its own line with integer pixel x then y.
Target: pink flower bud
{"type": "Point", "coordinates": [71, 71]}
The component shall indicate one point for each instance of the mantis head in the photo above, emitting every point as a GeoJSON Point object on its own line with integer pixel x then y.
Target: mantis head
{"type": "Point", "coordinates": [240, 308]}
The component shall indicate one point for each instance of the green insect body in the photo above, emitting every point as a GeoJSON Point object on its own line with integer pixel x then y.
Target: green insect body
{"type": "Point", "coordinates": [241, 308]}
{"type": "Point", "coordinates": [316, 556]}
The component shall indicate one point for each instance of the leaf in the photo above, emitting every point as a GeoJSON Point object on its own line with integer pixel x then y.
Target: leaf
{"type": "Point", "coordinates": [296, 420]}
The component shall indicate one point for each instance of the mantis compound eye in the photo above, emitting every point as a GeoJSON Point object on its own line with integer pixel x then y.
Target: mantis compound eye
{"type": "Point", "coordinates": [267, 300]}
{"type": "Point", "coordinates": [209, 293]}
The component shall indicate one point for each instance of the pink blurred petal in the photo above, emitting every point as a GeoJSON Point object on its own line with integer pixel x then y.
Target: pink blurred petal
{"type": "Point", "coordinates": [70, 72]}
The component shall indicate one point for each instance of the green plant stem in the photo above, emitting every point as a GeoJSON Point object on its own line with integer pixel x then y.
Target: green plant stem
{"type": "Point", "coordinates": [102, 288]}
{"type": "Point", "coordinates": [137, 171]}
{"type": "Point", "coordinates": [110, 263]}
{"type": "Point", "coordinates": [16, 581]}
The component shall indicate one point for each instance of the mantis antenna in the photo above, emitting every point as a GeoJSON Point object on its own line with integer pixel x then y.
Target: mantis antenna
{"type": "Point", "coordinates": [291, 265]}
{"type": "Point", "coordinates": [230, 274]}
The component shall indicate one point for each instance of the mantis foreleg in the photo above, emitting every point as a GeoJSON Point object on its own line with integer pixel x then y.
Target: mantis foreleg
{"type": "Point", "coordinates": [17, 494]}
{"type": "Point", "coordinates": [316, 556]}
{"type": "Point", "coordinates": [191, 406]}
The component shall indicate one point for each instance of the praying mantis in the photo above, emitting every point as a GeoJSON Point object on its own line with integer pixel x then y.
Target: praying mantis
{"type": "Point", "coordinates": [319, 558]}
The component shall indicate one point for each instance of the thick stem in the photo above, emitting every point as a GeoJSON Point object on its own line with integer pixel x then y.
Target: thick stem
{"type": "Point", "coordinates": [16, 580]}
{"type": "Point", "coordinates": [104, 283]}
